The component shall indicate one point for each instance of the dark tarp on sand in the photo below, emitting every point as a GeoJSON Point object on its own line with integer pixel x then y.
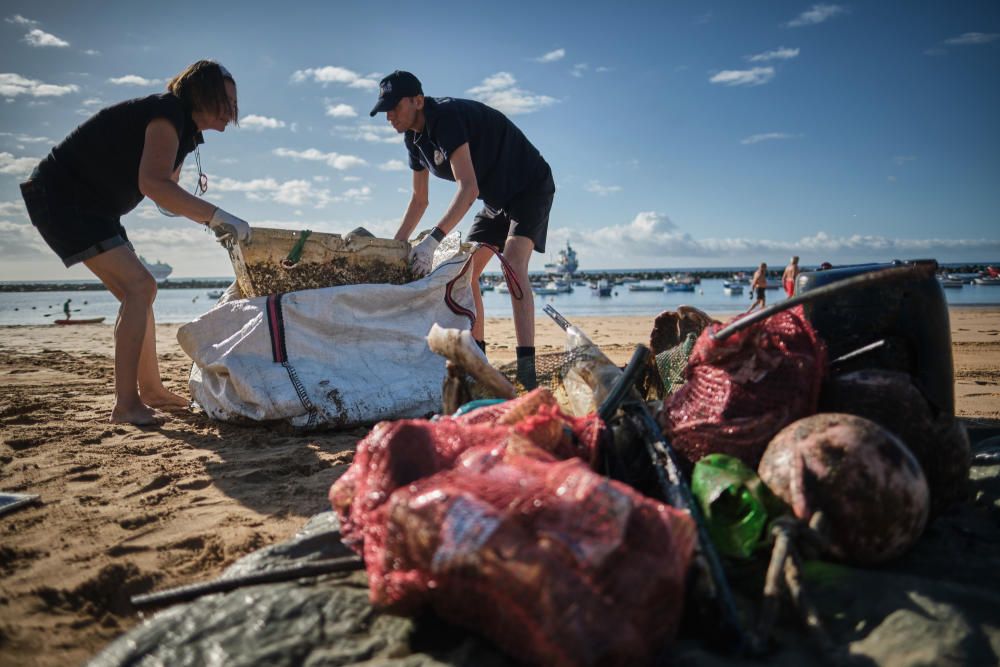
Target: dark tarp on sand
{"type": "Point", "coordinates": [936, 605]}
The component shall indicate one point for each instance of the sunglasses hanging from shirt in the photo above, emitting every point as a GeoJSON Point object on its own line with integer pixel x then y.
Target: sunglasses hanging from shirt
{"type": "Point", "coordinates": [200, 187]}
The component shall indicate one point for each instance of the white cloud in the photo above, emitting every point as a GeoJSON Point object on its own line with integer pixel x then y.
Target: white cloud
{"type": "Point", "coordinates": [254, 185]}
{"type": "Point", "coordinates": [968, 38]}
{"type": "Point", "coordinates": [134, 80]}
{"type": "Point", "coordinates": [393, 165]}
{"type": "Point", "coordinates": [258, 123]}
{"type": "Point", "coordinates": [816, 14]}
{"type": "Point", "coordinates": [17, 166]}
{"type": "Point", "coordinates": [652, 234]}
{"type": "Point", "coordinates": [20, 240]}
{"type": "Point", "coordinates": [92, 102]}
{"type": "Point", "coordinates": [38, 37]}
{"type": "Point", "coordinates": [9, 208]}
{"type": "Point", "coordinates": [12, 85]}
{"type": "Point", "coordinates": [780, 53]}
{"type": "Point", "coordinates": [766, 136]}
{"type": "Point", "coordinates": [579, 70]}
{"type": "Point", "coordinates": [552, 56]}
{"type": "Point", "coordinates": [359, 195]}
{"type": "Point", "coordinates": [349, 179]}
{"type": "Point", "coordinates": [20, 20]}
{"type": "Point", "coordinates": [341, 111]}
{"type": "Point", "coordinates": [331, 74]}
{"type": "Point", "coordinates": [25, 138]}
{"type": "Point", "coordinates": [602, 69]}
{"type": "Point", "coordinates": [755, 76]}
{"type": "Point", "coordinates": [91, 52]}
{"type": "Point", "coordinates": [900, 160]}
{"type": "Point", "coordinates": [335, 160]}
{"type": "Point", "coordinates": [601, 190]}
{"type": "Point", "coordinates": [500, 91]}
{"type": "Point", "coordinates": [382, 134]}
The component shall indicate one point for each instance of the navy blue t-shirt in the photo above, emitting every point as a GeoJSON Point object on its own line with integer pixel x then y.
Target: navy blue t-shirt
{"type": "Point", "coordinates": [506, 163]}
{"type": "Point", "coordinates": [99, 161]}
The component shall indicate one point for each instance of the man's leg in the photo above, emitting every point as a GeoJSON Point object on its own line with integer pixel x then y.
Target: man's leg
{"type": "Point", "coordinates": [480, 259]}
{"type": "Point", "coordinates": [518, 252]}
{"type": "Point", "coordinates": [122, 272]}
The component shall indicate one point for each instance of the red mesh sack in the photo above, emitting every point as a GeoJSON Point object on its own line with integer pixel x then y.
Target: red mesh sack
{"type": "Point", "coordinates": [739, 392]}
{"type": "Point", "coordinates": [553, 562]}
{"type": "Point", "coordinates": [398, 453]}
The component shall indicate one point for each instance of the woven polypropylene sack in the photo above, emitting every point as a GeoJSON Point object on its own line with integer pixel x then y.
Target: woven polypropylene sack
{"type": "Point", "coordinates": [740, 391]}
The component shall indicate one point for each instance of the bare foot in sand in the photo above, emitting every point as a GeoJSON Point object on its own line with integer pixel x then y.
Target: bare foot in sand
{"type": "Point", "coordinates": [164, 399]}
{"type": "Point", "coordinates": [140, 416]}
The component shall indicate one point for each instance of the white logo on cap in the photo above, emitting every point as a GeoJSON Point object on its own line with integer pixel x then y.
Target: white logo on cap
{"type": "Point", "coordinates": [386, 87]}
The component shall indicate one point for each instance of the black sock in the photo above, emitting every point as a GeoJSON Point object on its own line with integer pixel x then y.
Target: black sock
{"type": "Point", "coordinates": [481, 344]}
{"type": "Point", "coordinates": [526, 367]}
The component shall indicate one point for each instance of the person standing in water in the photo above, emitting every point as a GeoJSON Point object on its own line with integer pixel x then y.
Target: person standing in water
{"type": "Point", "coordinates": [790, 274]}
{"type": "Point", "coordinates": [758, 287]}
{"type": "Point", "coordinates": [66, 308]}
{"type": "Point", "coordinates": [76, 196]}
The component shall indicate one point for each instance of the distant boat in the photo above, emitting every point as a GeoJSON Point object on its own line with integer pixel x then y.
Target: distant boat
{"type": "Point", "coordinates": [732, 289]}
{"type": "Point", "coordinates": [486, 286]}
{"type": "Point", "coordinates": [565, 263]}
{"type": "Point", "coordinates": [160, 270]}
{"type": "Point", "coordinates": [602, 287]}
{"type": "Point", "coordinates": [502, 288]}
{"type": "Point", "coordinates": [679, 284]}
{"type": "Point", "coordinates": [639, 287]}
{"type": "Point", "coordinates": [986, 281]}
{"type": "Point", "coordinates": [216, 293]}
{"type": "Point", "coordinates": [966, 278]}
{"type": "Point", "coordinates": [553, 287]}
{"type": "Point", "coordinates": [738, 279]}
{"type": "Point", "coordinates": [82, 320]}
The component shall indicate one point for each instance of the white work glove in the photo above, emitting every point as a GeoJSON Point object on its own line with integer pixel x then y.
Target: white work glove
{"type": "Point", "coordinates": [422, 256]}
{"type": "Point", "coordinates": [228, 226]}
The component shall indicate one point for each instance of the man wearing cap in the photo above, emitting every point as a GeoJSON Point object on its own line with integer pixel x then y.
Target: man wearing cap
{"type": "Point", "coordinates": [488, 158]}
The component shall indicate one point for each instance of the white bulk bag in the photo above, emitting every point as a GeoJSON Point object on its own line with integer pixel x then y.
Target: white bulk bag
{"type": "Point", "coordinates": [332, 357]}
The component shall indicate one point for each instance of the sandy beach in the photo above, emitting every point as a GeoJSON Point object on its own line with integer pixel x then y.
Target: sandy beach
{"type": "Point", "coordinates": [125, 510]}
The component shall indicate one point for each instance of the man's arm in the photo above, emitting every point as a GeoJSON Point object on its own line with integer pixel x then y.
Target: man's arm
{"type": "Point", "coordinates": [468, 188]}
{"type": "Point", "coordinates": [417, 206]}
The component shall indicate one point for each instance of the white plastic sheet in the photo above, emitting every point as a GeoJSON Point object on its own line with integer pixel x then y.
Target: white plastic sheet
{"type": "Point", "coordinates": [333, 357]}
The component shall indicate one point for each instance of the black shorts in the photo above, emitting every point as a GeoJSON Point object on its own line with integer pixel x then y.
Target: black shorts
{"type": "Point", "coordinates": [72, 233]}
{"type": "Point", "coordinates": [525, 215]}
{"type": "Point", "coordinates": [760, 293]}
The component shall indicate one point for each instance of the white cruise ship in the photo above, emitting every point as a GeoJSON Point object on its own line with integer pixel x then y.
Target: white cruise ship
{"type": "Point", "coordinates": [160, 270]}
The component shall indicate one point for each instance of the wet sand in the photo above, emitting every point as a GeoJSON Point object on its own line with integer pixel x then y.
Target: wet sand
{"type": "Point", "coordinates": [125, 509]}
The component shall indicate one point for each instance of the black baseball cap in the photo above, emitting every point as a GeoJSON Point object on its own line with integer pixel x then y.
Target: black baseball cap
{"type": "Point", "coordinates": [395, 87]}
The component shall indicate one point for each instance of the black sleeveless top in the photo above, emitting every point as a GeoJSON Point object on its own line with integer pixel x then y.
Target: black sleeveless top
{"type": "Point", "coordinates": [98, 163]}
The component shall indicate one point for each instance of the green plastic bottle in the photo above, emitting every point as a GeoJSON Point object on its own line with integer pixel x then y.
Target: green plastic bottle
{"type": "Point", "coordinates": [735, 504]}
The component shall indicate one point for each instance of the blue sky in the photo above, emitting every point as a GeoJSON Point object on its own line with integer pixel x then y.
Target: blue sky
{"type": "Point", "coordinates": [679, 134]}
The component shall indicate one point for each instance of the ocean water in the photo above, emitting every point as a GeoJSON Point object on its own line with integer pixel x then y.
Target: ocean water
{"type": "Point", "coordinates": [184, 305]}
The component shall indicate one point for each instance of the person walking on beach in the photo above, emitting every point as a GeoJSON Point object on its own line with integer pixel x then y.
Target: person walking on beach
{"type": "Point", "coordinates": [758, 287]}
{"type": "Point", "coordinates": [488, 158]}
{"type": "Point", "coordinates": [66, 308]}
{"type": "Point", "coordinates": [76, 196]}
{"type": "Point", "coordinates": [790, 274]}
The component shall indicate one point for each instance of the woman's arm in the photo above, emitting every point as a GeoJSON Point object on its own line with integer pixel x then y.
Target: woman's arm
{"type": "Point", "coordinates": [156, 174]}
